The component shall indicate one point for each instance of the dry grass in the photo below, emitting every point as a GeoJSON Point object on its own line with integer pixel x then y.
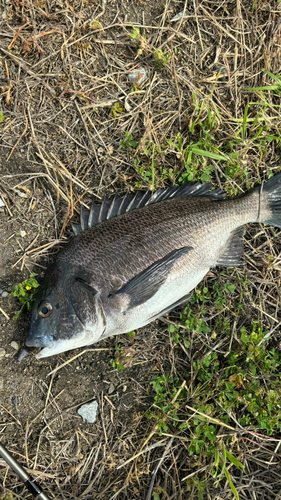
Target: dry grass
{"type": "Point", "coordinates": [63, 68]}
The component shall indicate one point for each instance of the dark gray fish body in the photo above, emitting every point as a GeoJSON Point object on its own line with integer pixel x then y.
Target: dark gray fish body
{"type": "Point", "coordinates": [141, 259]}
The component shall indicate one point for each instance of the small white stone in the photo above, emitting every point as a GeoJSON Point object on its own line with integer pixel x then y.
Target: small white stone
{"type": "Point", "coordinates": [2, 352]}
{"type": "Point", "coordinates": [111, 388]}
{"type": "Point", "coordinates": [138, 76]}
{"type": "Point", "coordinates": [2, 204]}
{"type": "Point", "coordinates": [178, 16]}
{"type": "Point", "coordinates": [22, 233]}
{"type": "Point", "coordinates": [89, 412]}
{"type": "Point", "coordinates": [14, 345]}
{"type": "Point", "coordinates": [5, 294]}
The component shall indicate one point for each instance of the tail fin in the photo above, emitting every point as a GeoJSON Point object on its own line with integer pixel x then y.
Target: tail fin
{"type": "Point", "coordinates": [271, 199]}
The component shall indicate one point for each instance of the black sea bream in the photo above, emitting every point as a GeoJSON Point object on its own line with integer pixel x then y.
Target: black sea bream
{"type": "Point", "coordinates": [136, 258]}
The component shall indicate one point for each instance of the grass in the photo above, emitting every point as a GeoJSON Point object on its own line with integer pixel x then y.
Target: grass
{"type": "Point", "coordinates": [206, 152]}
{"type": "Point", "coordinates": [236, 382]}
{"type": "Point", "coordinates": [220, 387]}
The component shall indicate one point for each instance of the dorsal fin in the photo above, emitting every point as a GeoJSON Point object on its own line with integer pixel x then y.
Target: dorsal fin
{"type": "Point", "coordinates": [120, 205]}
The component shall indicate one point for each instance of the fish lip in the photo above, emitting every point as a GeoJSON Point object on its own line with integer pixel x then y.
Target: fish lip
{"type": "Point", "coordinates": [60, 346]}
{"type": "Point", "coordinates": [39, 341]}
{"type": "Point", "coordinates": [52, 350]}
{"type": "Point", "coordinates": [43, 353]}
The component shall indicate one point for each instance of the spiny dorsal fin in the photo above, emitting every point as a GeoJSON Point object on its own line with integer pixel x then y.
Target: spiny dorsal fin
{"type": "Point", "coordinates": [120, 205]}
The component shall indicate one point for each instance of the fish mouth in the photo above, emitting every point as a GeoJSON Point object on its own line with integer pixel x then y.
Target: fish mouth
{"type": "Point", "coordinates": [45, 342]}
{"type": "Point", "coordinates": [57, 347]}
{"type": "Point", "coordinates": [86, 338]}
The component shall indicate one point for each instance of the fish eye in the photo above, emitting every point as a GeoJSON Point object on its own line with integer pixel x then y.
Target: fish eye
{"type": "Point", "coordinates": [45, 309]}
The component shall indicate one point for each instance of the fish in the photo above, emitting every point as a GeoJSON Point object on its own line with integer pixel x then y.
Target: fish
{"type": "Point", "coordinates": [135, 258]}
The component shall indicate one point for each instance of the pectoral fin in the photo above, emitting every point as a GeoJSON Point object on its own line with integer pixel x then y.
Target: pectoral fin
{"type": "Point", "coordinates": [143, 286]}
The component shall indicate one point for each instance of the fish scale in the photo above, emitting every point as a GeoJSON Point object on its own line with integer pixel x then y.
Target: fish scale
{"type": "Point", "coordinates": [134, 259]}
{"type": "Point", "coordinates": [150, 238]}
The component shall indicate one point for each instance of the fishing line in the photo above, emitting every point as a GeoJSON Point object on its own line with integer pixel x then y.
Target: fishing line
{"type": "Point", "coordinates": [32, 486]}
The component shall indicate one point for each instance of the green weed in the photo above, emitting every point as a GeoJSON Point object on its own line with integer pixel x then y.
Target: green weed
{"type": "Point", "coordinates": [96, 25]}
{"type": "Point", "coordinates": [123, 358]}
{"type": "Point", "coordinates": [140, 39]}
{"type": "Point", "coordinates": [8, 496]}
{"type": "Point", "coordinates": [160, 58]}
{"type": "Point", "coordinates": [131, 334]}
{"type": "Point", "coordinates": [196, 155]}
{"type": "Point", "coordinates": [26, 293]}
{"type": "Point", "coordinates": [276, 88]}
{"type": "Point", "coordinates": [128, 142]}
{"type": "Point", "coordinates": [196, 485]}
{"type": "Point", "coordinates": [245, 384]}
{"type": "Point", "coordinates": [115, 362]}
{"type": "Point", "coordinates": [159, 493]}
{"type": "Point", "coordinates": [117, 109]}
{"type": "Point", "coordinates": [147, 173]}
{"type": "Point", "coordinates": [1, 117]}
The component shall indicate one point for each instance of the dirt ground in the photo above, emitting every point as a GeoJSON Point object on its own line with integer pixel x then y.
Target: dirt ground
{"type": "Point", "coordinates": [63, 67]}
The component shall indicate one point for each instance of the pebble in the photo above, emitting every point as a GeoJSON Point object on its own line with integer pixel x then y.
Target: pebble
{"type": "Point", "coordinates": [111, 388]}
{"type": "Point", "coordinates": [16, 402]}
{"type": "Point", "coordinates": [178, 16]}
{"type": "Point", "coordinates": [2, 204]}
{"type": "Point", "coordinates": [138, 76]}
{"type": "Point", "coordinates": [219, 68]}
{"type": "Point", "coordinates": [2, 352]}
{"type": "Point", "coordinates": [4, 294]}
{"type": "Point", "coordinates": [14, 345]}
{"type": "Point", "coordinates": [89, 412]}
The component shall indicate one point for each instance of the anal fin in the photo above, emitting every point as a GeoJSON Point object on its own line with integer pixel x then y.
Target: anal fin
{"type": "Point", "coordinates": [183, 300]}
{"type": "Point", "coordinates": [234, 249]}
